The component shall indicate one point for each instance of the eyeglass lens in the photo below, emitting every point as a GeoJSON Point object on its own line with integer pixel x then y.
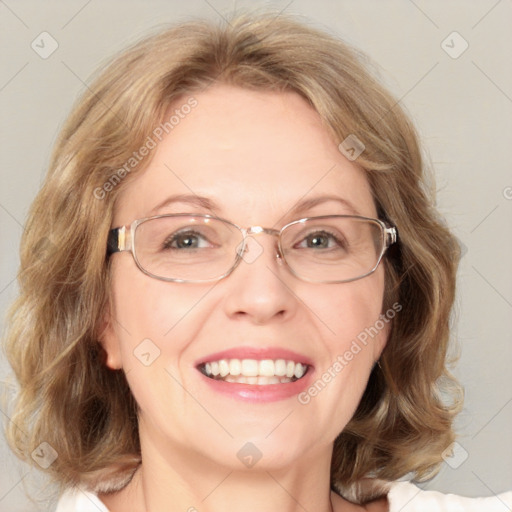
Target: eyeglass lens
{"type": "Point", "coordinates": [191, 248]}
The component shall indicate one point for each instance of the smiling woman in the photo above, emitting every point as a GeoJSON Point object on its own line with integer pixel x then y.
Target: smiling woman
{"type": "Point", "coordinates": [166, 343]}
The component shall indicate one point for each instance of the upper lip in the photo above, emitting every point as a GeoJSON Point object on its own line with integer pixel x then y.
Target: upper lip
{"type": "Point", "coordinates": [258, 353]}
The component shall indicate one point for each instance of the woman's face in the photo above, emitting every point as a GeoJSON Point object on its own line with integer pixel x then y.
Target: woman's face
{"type": "Point", "coordinates": [260, 158]}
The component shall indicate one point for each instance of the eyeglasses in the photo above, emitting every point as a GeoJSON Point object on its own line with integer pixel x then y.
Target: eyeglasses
{"type": "Point", "coordinates": [190, 248]}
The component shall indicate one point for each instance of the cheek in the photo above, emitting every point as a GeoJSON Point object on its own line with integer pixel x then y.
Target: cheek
{"type": "Point", "coordinates": [148, 308]}
{"type": "Point", "coordinates": [354, 335]}
{"type": "Point", "coordinates": [352, 310]}
{"type": "Point", "coordinates": [154, 324]}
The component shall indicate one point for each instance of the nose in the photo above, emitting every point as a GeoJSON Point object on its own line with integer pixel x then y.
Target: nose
{"type": "Point", "coordinates": [260, 289]}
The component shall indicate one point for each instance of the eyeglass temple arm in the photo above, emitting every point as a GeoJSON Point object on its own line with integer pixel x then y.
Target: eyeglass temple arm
{"type": "Point", "coordinates": [118, 240]}
{"type": "Point", "coordinates": [391, 235]}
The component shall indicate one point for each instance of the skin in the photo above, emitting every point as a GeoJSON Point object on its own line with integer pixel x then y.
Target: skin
{"type": "Point", "coordinates": [256, 154]}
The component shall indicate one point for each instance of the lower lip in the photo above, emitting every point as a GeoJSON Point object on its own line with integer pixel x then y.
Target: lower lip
{"type": "Point", "coordinates": [255, 393]}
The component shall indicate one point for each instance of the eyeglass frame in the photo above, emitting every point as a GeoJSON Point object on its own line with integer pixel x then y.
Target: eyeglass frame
{"type": "Point", "coordinates": [122, 239]}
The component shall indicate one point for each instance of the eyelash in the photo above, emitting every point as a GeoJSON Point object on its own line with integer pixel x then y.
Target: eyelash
{"type": "Point", "coordinates": [174, 236]}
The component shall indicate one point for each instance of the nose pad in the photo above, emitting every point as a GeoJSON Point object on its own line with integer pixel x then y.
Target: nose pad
{"type": "Point", "coordinates": [250, 249]}
{"type": "Point", "coordinates": [279, 254]}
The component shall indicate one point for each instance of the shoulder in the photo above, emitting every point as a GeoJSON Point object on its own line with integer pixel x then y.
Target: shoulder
{"type": "Point", "coordinates": [78, 500]}
{"type": "Point", "coordinates": [407, 497]}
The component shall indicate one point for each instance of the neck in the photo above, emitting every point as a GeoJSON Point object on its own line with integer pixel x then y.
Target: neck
{"type": "Point", "coordinates": [228, 490]}
{"type": "Point", "coordinates": [191, 482]}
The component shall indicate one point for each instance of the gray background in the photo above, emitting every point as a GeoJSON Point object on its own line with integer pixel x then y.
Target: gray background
{"type": "Point", "coordinates": [462, 107]}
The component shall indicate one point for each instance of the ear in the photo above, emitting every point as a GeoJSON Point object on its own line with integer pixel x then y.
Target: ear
{"type": "Point", "coordinates": [380, 341]}
{"type": "Point", "coordinates": [109, 340]}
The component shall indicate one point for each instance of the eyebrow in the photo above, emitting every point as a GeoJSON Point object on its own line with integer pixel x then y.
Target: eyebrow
{"type": "Point", "coordinates": [194, 200]}
{"type": "Point", "coordinates": [308, 204]}
{"type": "Point", "coordinates": [208, 204]}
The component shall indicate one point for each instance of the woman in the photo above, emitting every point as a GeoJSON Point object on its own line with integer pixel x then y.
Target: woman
{"type": "Point", "coordinates": [244, 295]}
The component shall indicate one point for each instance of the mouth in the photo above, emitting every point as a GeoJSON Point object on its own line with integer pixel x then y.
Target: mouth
{"type": "Point", "coordinates": [257, 372]}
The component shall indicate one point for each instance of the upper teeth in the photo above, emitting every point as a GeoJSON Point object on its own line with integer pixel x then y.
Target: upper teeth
{"type": "Point", "coordinates": [255, 368]}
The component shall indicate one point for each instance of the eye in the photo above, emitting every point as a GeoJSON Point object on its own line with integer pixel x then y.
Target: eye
{"type": "Point", "coordinates": [187, 239]}
{"type": "Point", "coordinates": [321, 240]}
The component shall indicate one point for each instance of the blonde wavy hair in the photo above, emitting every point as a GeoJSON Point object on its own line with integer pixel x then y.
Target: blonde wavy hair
{"type": "Point", "coordinates": [70, 399]}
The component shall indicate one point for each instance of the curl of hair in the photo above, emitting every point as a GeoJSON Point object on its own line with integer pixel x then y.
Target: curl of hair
{"type": "Point", "coordinates": [85, 411]}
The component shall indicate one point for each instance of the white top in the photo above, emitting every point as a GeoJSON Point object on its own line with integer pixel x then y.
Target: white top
{"type": "Point", "coordinates": [402, 497]}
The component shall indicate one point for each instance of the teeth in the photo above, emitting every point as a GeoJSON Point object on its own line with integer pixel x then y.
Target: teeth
{"type": "Point", "coordinates": [214, 368]}
{"type": "Point", "coordinates": [260, 381]}
{"type": "Point", "coordinates": [256, 372]}
{"type": "Point", "coordinates": [223, 367]}
{"type": "Point", "coordinates": [290, 369]}
{"type": "Point", "coordinates": [299, 370]}
{"type": "Point", "coordinates": [267, 368]}
{"type": "Point", "coordinates": [250, 367]}
{"type": "Point", "coordinates": [235, 367]}
{"type": "Point", "coordinates": [280, 367]}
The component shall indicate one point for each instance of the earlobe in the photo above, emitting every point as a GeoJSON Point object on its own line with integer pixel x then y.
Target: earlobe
{"type": "Point", "coordinates": [380, 342]}
{"type": "Point", "coordinates": [112, 361]}
{"type": "Point", "coordinates": [109, 341]}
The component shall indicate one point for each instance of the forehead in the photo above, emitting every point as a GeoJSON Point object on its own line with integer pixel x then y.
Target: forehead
{"type": "Point", "coordinates": [254, 153]}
